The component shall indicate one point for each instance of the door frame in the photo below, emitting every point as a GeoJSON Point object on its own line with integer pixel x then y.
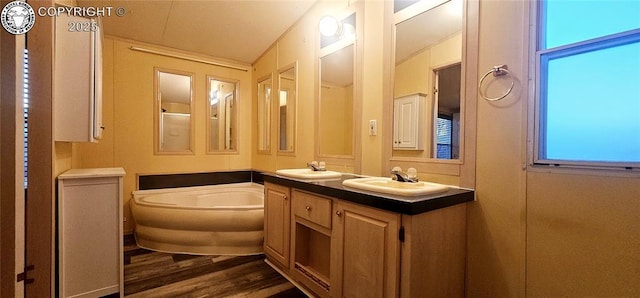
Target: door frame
{"type": "Point", "coordinates": [12, 202]}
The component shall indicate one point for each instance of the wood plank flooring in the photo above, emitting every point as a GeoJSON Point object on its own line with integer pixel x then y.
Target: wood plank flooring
{"type": "Point", "coordinates": [154, 274]}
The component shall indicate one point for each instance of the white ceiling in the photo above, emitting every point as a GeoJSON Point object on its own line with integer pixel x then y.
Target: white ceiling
{"type": "Point", "coordinates": [427, 29]}
{"type": "Point", "coordinates": [238, 30]}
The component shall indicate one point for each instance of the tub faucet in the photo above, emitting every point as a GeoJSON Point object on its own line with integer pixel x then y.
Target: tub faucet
{"type": "Point", "coordinates": [398, 175]}
{"type": "Point", "coordinates": [315, 167]}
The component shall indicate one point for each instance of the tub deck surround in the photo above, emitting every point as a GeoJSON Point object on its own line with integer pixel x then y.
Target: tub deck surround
{"type": "Point", "coordinates": [399, 204]}
{"type": "Point", "coordinates": [328, 187]}
{"type": "Point", "coordinates": [158, 181]}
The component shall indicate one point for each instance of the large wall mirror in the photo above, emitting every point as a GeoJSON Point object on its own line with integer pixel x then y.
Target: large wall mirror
{"type": "Point", "coordinates": [287, 98]}
{"type": "Point", "coordinates": [264, 115]}
{"type": "Point", "coordinates": [222, 115]}
{"type": "Point", "coordinates": [428, 60]}
{"type": "Point", "coordinates": [339, 98]}
{"type": "Point", "coordinates": [335, 124]}
{"type": "Point", "coordinates": [173, 113]}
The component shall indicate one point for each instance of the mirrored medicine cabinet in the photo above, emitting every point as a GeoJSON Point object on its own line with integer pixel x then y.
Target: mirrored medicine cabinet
{"type": "Point", "coordinates": [173, 116]}
{"type": "Point", "coordinates": [428, 62]}
{"type": "Point", "coordinates": [287, 101]}
{"type": "Point", "coordinates": [222, 115]}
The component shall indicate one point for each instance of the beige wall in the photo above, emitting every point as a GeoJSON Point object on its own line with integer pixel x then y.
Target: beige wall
{"type": "Point", "coordinates": [128, 117]}
{"type": "Point", "coordinates": [372, 87]}
{"type": "Point", "coordinates": [530, 232]}
{"type": "Point", "coordinates": [541, 233]}
{"type": "Point", "coordinates": [497, 220]}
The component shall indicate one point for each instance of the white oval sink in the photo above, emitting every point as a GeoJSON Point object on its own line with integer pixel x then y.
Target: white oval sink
{"type": "Point", "coordinates": [307, 173]}
{"type": "Point", "coordinates": [392, 187]}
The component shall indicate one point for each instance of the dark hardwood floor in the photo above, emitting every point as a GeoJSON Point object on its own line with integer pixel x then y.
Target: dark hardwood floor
{"type": "Point", "coordinates": [154, 274]}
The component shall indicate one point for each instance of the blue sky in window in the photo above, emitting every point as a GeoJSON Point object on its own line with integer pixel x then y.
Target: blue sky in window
{"type": "Point", "coordinates": [593, 98]}
{"type": "Point", "coordinates": [570, 21]}
{"type": "Point", "coordinates": [593, 106]}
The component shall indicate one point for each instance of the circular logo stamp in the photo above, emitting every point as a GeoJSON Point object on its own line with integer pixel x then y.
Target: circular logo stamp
{"type": "Point", "coordinates": [17, 17]}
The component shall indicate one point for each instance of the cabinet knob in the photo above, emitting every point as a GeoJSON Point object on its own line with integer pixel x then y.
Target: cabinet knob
{"type": "Point", "coordinates": [308, 208]}
{"type": "Point", "coordinates": [338, 213]}
{"type": "Point", "coordinates": [284, 197]}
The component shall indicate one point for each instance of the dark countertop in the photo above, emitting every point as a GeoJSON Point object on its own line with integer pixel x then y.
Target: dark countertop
{"type": "Point", "coordinates": [404, 205]}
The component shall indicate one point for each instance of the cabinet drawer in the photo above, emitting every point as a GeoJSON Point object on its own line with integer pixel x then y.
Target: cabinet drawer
{"type": "Point", "coordinates": [312, 208]}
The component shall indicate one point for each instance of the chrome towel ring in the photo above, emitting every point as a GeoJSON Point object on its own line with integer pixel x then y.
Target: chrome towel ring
{"type": "Point", "coordinates": [497, 71]}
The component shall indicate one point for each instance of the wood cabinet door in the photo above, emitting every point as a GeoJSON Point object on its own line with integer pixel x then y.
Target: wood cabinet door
{"type": "Point", "coordinates": [365, 252]}
{"type": "Point", "coordinates": [277, 224]}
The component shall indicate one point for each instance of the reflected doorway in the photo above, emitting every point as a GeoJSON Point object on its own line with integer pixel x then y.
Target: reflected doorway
{"type": "Point", "coordinates": [447, 113]}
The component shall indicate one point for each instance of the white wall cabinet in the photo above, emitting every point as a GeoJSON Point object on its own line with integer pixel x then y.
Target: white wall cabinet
{"type": "Point", "coordinates": [90, 243]}
{"type": "Point", "coordinates": [77, 79]}
{"type": "Point", "coordinates": [408, 122]}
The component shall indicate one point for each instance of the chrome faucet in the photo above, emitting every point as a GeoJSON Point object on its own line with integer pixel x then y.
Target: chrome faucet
{"type": "Point", "coordinates": [398, 175]}
{"type": "Point", "coordinates": [315, 167]}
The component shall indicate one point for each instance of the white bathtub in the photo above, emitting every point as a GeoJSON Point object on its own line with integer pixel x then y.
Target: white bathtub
{"type": "Point", "coordinates": [209, 220]}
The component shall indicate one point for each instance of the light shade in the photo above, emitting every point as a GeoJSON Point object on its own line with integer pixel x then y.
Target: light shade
{"type": "Point", "coordinates": [330, 26]}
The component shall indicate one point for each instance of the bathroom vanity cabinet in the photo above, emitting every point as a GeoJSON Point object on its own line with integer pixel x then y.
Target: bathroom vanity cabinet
{"type": "Point", "coordinates": [90, 243]}
{"type": "Point", "coordinates": [277, 214]}
{"type": "Point", "coordinates": [339, 248]}
{"type": "Point", "coordinates": [366, 251]}
{"type": "Point", "coordinates": [311, 224]}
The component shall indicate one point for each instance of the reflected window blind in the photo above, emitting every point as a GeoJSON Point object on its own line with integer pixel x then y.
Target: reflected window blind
{"type": "Point", "coordinates": [444, 136]}
{"type": "Point", "coordinates": [25, 108]}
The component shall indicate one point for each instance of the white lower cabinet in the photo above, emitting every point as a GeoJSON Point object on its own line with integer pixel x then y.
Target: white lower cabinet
{"type": "Point", "coordinates": [90, 243]}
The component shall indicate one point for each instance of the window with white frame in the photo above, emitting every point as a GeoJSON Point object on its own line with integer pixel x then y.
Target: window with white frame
{"type": "Point", "coordinates": [588, 83]}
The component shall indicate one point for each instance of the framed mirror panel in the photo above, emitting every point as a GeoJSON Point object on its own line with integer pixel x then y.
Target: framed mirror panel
{"type": "Point", "coordinates": [222, 116]}
{"type": "Point", "coordinates": [264, 114]}
{"type": "Point", "coordinates": [173, 112]}
{"type": "Point", "coordinates": [287, 101]}
{"type": "Point", "coordinates": [428, 61]}
{"type": "Point", "coordinates": [336, 104]}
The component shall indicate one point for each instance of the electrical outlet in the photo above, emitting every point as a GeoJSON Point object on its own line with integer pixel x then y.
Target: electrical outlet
{"type": "Point", "coordinates": [373, 127]}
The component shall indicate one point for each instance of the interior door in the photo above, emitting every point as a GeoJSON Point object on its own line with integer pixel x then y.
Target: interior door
{"type": "Point", "coordinates": [12, 231]}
